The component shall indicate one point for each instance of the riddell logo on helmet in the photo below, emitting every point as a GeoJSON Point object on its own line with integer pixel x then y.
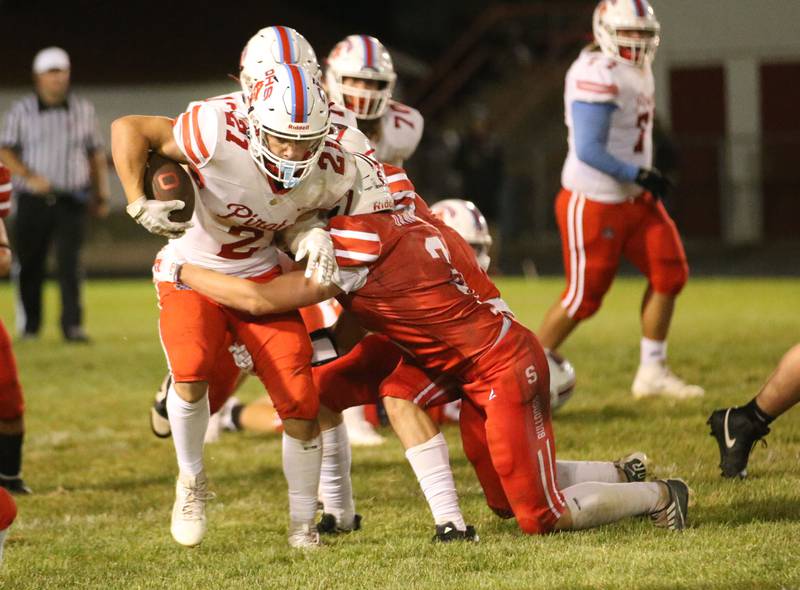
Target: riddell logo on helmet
{"type": "Point", "coordinates": [298, 126]}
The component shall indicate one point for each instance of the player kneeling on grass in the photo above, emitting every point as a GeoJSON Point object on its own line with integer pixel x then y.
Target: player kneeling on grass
{"type": "Point", "coordinates": [737, 430]}
{"type": "Point", "coordinates": [428, 310]}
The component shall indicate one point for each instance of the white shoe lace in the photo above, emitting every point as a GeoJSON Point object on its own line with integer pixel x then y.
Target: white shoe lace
{"type": "Point", "coordinates": [194, 501]}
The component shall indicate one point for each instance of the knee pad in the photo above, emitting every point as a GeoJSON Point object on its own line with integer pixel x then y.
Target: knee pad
{"type": "Point", "coordinates": [670, 279]}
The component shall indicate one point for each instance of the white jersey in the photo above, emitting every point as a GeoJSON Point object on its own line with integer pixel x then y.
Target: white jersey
{"type": "Point", "coordinates": [599, 79]}
{"type": "Point", "coordinates": [400, 132]}
{"type": "Point", "coordinates": [238, 210]}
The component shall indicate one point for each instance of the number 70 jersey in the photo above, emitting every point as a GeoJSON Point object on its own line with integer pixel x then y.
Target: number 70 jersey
{"type": "Point", "coordinates": [594, 78]}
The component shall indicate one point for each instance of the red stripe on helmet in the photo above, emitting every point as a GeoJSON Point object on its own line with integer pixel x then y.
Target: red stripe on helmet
{"type": "Point", "coordinates": [369, 52]}
{"type": "Point", "coordinates": [299, 93]}
{"type": "Point", "coordinates": [286, 44]}
{"type": "Point", "coordinates": [640, 11]}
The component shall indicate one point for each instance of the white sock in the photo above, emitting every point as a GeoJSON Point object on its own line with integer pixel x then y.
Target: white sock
{"type": "Point", "coordinates": [301, 465]}
{"type": "Point", "coordinates": [3, 534]}
{"type": "Point", "coordinates": [570, 473]}
{"type": "Point", "coordinates": [188, 422]}
{"type": "Point", "coordinates": [593, 504]}
{"type": "Point", "coordinates": [335, 487]}
{"type": "Point", "coordinates": [431, 464]}
{"type": "Point", "coordinates": [653, 351]}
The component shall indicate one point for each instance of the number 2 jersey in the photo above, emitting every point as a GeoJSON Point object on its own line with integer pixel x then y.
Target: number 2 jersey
{"type": "Point", "coordinates": [594, 78]}
{"type": "Point", "coordinates": [238, 209]}
{"type": "Point", "coordinates": [398, 280]}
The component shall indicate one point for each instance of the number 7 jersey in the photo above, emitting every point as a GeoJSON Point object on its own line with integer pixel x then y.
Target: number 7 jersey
{"type": "Point", "coordinates": [594, 78]}
{"type": "Point", "coordinates": [238, 209]}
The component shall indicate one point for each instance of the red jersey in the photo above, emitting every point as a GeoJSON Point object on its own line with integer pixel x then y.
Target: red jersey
{"type": "Point", "coordinates": [5, 192]}
{"type": "Point", "coordinates": [399, 281]}
{"type": "Point", "coordinates": [461, 253]}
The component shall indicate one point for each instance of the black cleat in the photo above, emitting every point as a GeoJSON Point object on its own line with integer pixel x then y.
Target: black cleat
{"type": "Point", "coordinates": [634, 466]}
{"type": "Point", "coordinates": [447, 532]}
{"type": "Point", "coordinates": [673, 515]}
{"type": "Point", "coordinates": [327, 525]}
{"type": "Point", "coordinates": [15, 485]}
{"type": "Point", "coordinates": [736, 435]}
{"type": "Point", "coordinates": [159, 421]}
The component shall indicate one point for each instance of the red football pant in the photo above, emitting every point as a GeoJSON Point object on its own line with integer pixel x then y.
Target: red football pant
{"type": "Point", "coordinates": [595, 235]}
{"type": "Point", "coordinates": [195, 332]}
{"type": "Point", "coordinates": [12, 404]}
{"type": "Point", "coordinates": [507, 434]}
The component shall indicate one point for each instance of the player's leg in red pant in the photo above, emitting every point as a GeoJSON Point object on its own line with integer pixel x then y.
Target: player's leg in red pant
{"type": "Point", "coordinates": [511, 385]}
{"type": "Point", "coordinates": [224, 379]}
{"type": "Point", "coordinates": [12, 426]}
{"type": "Point", "coordinates": [472, 421]}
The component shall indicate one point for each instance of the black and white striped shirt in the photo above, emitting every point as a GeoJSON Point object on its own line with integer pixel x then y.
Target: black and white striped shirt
{"type": "Point", "coordinates": [54, 142]}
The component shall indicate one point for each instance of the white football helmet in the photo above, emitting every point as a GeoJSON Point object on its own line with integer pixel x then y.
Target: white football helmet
{"type": "Point", "coordinates": [364, 57]}
{"type": "Point", "coordinates": [272, 46]}
{"type": "Point", "coordinates": [288, 104]}
{"type": "Point", "coordinates": [613, 16]}
{"type": "Point", "coordinates": [469, 222]}
{"type": "Point", "coordinates": [562, 380]}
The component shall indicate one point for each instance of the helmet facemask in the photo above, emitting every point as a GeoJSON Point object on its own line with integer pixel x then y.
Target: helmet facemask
{"type": "Point", "coordinates": [627, 39]}
{"type": "Point", "coordinates": [288, 172]}
{"type": "Point", "coordinates": [364, 102]}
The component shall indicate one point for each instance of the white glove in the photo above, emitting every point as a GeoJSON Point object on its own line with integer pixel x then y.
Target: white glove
{"type": "Point", "coordinates": [167, 265]}
{"type": "Point", "coordinates": [241, 357]}
{"type": "Point", "coordinates": [317, 245]}
{"type": "Point", "coordinates": [153, 215]}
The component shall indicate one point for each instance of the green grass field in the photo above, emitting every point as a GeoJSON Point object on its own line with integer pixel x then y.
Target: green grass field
{"type": "Point", "coordinates": [104, 484]}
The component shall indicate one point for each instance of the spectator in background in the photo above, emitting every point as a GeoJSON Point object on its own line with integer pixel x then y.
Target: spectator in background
{"type": "Point", "coordinates": [51, 143]}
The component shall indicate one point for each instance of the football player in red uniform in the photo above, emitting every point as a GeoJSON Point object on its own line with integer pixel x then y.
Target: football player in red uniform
{"type": "Point", "coordinates": [445, 329]}
{"type": "Point", "coordinates": [12, 405]}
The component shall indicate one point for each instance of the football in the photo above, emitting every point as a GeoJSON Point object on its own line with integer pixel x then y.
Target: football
{"type": "Point", "coordinates": [166, 180]}
{"type": "Point", "coordinates": [562, 380]}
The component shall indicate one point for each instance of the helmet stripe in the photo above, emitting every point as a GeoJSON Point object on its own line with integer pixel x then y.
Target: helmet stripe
{"type": "Point", "coordinates": [639, 7]}
{"type": "Point", "coordinates": [369, 52]}
{"type": "Point", "coordinates": [285, 45]}
{"type": "Point", "coordinates": [298, 90]}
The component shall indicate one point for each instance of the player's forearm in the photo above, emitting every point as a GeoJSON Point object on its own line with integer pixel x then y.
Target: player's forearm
{"type": "Point", "coordinates": [285, 293]}
{"type": "Point", "coordinates": [591, 124]}
{"type": "Point", "coordinates": [129, 148]}
{"type": "Point", "coordinates": [13, 163]}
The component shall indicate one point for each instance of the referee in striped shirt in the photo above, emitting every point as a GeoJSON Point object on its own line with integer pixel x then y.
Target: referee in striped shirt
{"type": "Point", "coordinates": [51, 143]}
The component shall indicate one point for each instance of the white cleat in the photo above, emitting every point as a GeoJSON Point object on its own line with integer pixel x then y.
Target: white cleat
{"type": "Point", "coordinates": [189, 511]}
{"type": "Point", "coordinates": [656, 379]}
{"type": "Point", "coordinates": [359, 430]}
{"type": "Point", "coordinates": [303, 535]}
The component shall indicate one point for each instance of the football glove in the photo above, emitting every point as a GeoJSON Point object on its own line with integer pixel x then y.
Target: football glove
{"type": "Point", "coordinates": [153, 215]}
{"type": "Point", "coordinates": [317, 245]}
{"type": "Point", "coordinates": [653, 181]}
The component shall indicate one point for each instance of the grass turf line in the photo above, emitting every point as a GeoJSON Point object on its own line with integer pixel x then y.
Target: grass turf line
{"type": "Point", "coordinates": [104, 484]}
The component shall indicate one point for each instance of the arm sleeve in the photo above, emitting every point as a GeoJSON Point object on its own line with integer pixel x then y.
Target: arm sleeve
{"type": "Point", "coordinates": [10, 136]}
{"type": "Point", "coordinates": [196, 132]}
{"type": "Point", "coordinates": [591, 122]}
{"type": "Point", "coordinates": [356, 247]}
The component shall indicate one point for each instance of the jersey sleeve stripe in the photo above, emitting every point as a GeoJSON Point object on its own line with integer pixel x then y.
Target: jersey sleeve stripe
{"type": "Point", "coordinates": [598, 88]}
{"type": "Point", "coordinates": [197, 135]}
{"type": "Point", "coordinates": [396, 177]}
{"type": "Point", "coordinates": [359, 256]}
{"type": "Point", "coordinates": [356, 235]}
{"type": "Point", "coordinates": [184, 122]}
{"type": "Point", "coordinates": [5, 188]}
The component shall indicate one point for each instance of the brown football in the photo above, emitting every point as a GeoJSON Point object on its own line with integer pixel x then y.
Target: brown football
{"type": "Point", "coordinates": [166, 180]}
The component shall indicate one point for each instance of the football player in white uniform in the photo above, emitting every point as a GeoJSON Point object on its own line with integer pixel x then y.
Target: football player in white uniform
{"type": "Point", "coordinates": [360, 75]}
{"type": "Point", "coordinates": [256, 179]}
{"type": "Point", "coordinates": [610, 205]}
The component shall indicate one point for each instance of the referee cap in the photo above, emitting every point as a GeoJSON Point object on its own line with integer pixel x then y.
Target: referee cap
{"type": "Point", "coordinates": [50, 58]}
